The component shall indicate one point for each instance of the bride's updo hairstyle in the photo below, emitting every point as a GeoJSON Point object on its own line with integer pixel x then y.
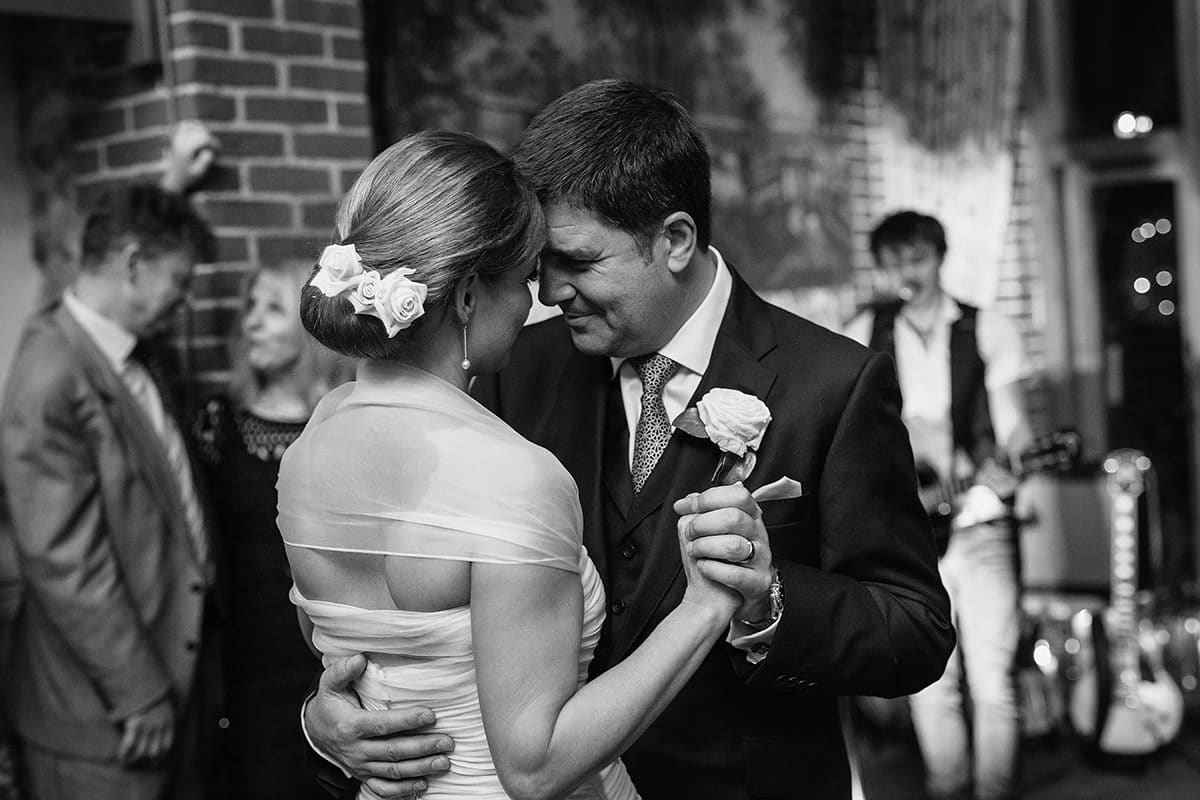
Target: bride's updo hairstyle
{"type": "Point", "coordinates": [446, 206]}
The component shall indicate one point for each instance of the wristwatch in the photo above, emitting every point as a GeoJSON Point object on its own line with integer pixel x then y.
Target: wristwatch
{"type": "Point", "coordinates": [775, 596]}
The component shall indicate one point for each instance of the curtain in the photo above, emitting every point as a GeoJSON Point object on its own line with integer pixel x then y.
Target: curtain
{"type": "Point", "coordinates": [949, 75]}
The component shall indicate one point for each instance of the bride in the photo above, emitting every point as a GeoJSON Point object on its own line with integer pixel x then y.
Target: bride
{"type": "Point", "coordinates": [425, 532]}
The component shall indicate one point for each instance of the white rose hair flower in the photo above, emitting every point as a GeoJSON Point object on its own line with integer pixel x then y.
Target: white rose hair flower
{"type": "Point", "coordinates": [394, 299]}
{"type": "Point", "coordinates": [365, 292]}
{"type": "Point", "coordinates": [399, 301]}
{"type": "Point", "coordinates": [341, 269]}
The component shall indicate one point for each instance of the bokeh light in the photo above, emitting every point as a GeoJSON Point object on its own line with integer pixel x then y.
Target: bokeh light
{"type": "Point", "coordinates": [1125, 125]}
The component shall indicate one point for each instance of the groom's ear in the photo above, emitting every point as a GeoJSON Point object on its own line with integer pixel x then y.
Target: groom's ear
{"type": "Point", "coordinates": [466, 297]}
{"type": "Point", "coordinates": [679, 229]}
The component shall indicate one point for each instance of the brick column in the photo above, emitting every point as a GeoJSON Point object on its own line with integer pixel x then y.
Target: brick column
{"type": "Point", "coordinates": [282, 84]}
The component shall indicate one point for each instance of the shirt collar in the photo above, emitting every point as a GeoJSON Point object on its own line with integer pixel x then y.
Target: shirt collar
{"type": "Point", "coordinates": [948, 311]}
{"type": "Point", "coordinates": [691, 346]}
{"type": "Point", "coordinates": [114, 342]}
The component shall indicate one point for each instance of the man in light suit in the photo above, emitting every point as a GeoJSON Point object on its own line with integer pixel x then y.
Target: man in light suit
{"type": "Point", "coordinates": [109, 528]}
{"type": "Point", "coordinates": [839, 573]}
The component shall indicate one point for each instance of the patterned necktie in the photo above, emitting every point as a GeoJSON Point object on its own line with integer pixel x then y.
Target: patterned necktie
{"type": "Point", "coordinates": [653, 427]}
{"type": "Point", "coordinates": [139, 375]}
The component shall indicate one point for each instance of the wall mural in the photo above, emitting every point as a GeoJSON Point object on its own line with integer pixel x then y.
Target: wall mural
{"type": "Point", "coordinates": [761, 76]}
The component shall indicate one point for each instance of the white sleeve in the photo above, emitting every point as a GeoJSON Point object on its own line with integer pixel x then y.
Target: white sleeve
{"type": "Point", "coordinates": [754, 643]}
{"type": "Point", "coordinates": [1002, 349]}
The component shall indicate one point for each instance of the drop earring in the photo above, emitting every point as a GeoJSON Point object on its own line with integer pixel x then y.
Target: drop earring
{"type": "Point", "coordinates": [466, 362]}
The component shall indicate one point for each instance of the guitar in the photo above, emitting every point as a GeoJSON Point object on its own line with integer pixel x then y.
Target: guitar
{"type": "Point", "coordinates": [945, 499]}
{"type": "Point", "coordinates": [1124, 701]}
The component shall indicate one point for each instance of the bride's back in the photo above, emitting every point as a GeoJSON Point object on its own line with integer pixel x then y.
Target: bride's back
{"type": "Point", "coordinates": [400, 481]}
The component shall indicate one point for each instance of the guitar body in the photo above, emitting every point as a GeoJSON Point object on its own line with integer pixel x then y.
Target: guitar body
{"type": "Point", "coordinates": [954, 496]}
{"type": "Point", "coordinates": [1124, 701]}
{"type": "Point", "coordinates": [1148, 713]}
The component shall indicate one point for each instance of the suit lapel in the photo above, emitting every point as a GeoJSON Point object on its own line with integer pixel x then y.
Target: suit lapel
{"type": "Point", "coordinates": [745, 336]}
{"type": "Point", "coordinates": [146, 449]}
{"type": "Point", "coordinates": [575, 432]}
{"type": "Point", "coordinates": [617, 480]}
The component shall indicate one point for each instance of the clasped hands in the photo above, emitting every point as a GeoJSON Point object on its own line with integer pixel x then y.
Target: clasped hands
{"type": "Point", "coordinates": [722, 534]}
{"type": "Point", "coordinates": [395, 751]}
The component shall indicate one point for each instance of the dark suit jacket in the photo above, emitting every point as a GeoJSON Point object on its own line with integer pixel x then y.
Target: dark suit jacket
{"type": "Point", "coordinates": [113, 593]}
{"type": "Point", "coordinates": [865, 611]}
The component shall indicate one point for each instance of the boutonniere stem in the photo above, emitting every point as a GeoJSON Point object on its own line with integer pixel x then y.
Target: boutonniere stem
{"type": "Point", "coordinates": [723, 467]}
{"type": "Point", "coordinates": [735, 422]}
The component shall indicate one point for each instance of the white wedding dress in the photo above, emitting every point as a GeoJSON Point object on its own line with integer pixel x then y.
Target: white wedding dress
{"type": "Point", "coordinates": [403, 464]}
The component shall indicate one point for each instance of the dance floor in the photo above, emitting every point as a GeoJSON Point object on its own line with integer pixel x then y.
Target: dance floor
{"type": "Point", "coordinates": [1052, 768]}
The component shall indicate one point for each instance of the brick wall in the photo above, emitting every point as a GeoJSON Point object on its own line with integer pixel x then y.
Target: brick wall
{"type": "Point", "coordinates": [1021, 292]}
{"type": "Point", "coordinates": [282, 84]}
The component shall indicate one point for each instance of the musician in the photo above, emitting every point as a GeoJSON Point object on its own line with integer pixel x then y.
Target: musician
{"type": "Point", "coordinates": [960, 369]}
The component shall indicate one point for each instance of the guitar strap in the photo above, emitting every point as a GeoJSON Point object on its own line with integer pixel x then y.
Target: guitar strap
{"type": "Point", "coordinates": [969, 418]}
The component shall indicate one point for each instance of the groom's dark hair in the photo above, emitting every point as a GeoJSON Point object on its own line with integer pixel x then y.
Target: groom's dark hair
{"type": "Point", "coordinates": [628, 153]}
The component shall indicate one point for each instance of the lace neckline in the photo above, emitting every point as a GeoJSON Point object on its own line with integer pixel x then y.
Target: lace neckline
{"type": "Point", "coordinates": [266, 439]}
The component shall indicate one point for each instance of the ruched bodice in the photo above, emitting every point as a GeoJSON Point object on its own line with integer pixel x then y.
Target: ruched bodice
{"type": "Point", "coordinates": [445, 509]}
{"type": "Point", "coordinates": [426, 658]}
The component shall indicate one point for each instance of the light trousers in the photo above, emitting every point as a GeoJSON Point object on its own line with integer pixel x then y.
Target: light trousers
{"type": "Point", "coordinates": [979, 570]}
{"type": "Point", "coordinates": [183, 775]}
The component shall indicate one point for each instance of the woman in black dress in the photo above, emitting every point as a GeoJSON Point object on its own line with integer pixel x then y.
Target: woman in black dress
{"type": "Point", "coordinates": [279, 374]}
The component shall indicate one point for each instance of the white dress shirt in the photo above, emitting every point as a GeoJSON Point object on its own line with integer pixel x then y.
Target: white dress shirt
{"type": "Point", "coordinates": [923, 369]}
{"type": "Point", "coordinates": [691, 348]}
{"type": "Point", "coordinates": [114, 342]}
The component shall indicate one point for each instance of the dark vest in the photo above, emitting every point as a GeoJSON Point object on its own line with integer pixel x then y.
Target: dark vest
{"type": "Point", "coordinates": [622, 566]}
{"type": "Point", "coordinates": [970, 421]}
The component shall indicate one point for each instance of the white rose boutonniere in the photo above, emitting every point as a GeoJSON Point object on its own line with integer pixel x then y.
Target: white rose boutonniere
{"type": "Point", "coordinates": [735, 422]}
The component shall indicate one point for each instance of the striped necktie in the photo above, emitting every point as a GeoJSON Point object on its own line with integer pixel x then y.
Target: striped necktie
{"type": "Point", "coordinates": [140, 376]}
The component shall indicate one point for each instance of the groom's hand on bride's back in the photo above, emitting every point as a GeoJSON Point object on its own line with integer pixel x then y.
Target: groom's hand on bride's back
{"type": "Point", "coordinates": [392, 751]}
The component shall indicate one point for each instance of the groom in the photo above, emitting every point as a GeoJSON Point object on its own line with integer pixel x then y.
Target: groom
{"type": "Point", "coordinates": [840, 577]}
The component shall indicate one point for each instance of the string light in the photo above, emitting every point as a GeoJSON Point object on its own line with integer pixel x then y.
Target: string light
{"type": "Point", "coordinates": [1125, 125]}
{"type": "Point", "coordinates": [1128, 125]}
